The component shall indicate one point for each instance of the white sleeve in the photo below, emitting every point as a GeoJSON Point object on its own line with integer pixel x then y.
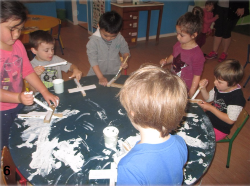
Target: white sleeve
{"type": "Point", "coordinates": [211, 96]}
{"type": "Point", "coordinates": [233, 111]}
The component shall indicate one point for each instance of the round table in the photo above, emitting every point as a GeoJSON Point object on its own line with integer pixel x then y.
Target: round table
{"type": "Point", "coordinates": [65, 150]}
{"type": "Point", "coordinates": [37, 22]}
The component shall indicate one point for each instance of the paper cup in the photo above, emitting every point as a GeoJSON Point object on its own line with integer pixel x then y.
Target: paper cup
{"type": "Point", "coordinates": [110, 137]}
{"type": "Point", "coordinates": [58, 85]}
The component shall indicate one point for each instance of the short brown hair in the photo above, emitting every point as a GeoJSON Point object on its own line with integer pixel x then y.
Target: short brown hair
{"type": "Point", "coordinates": [155, 97]}
{"type": "Point", "coordinates": [230, 71]}
{"type": "Point", "coordinates": [40, 36]}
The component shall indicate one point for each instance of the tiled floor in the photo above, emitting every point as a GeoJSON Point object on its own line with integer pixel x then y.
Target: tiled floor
{"type": "Point", "coordinates": [75, 39]}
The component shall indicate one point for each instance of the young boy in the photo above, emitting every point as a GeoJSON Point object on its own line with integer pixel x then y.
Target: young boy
{"type": "Point", "coordinates": [227, 96]}
{"type": "Point", "coordinates": [42, 45]}
{"type": "Point", "coordinates": [208, 19]}
{"type": "Point", "coordinates": [155, 101]}
{"type": "Point", "coordinates": [104, 47]}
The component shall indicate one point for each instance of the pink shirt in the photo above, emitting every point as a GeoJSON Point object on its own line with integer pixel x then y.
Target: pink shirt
{"type": "Point", "coordinates": [187, 63]}
{"type": "Point", "coordinates": [15, 66]}
{"type": "Point", "coordinates": [207, 20]}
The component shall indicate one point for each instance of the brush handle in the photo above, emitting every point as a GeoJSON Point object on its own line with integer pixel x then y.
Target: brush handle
{"type": "Point", "coordinates": [56, 64]}
{"type": "Point", "coordinates": [196, 93]}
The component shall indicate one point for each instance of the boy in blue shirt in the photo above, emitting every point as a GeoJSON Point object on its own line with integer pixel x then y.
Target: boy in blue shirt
{"type": "Point", "coordinates": [155, 101]}
{"type": "Point", "coordinates": [104, 47]}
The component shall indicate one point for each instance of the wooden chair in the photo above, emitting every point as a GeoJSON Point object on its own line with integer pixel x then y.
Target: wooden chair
{"type": "Point", "coordinates": [248, 54]}
{"type": "Point", "coordinates": [242, 119]}
{"type": "Point", "coordinates": [55, 32]}
{"type": "Point", "coordinates": [9, 173]}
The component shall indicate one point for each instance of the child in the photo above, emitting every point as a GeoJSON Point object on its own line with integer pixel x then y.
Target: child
{"type": "Point", "coordinates": [187, 58]}
{"type": "Point", "coordinates": [42, 44]}
{"type": "Point", "coordinates": [155, 101]}
{"type": "Point", "coordinates": [105, 45]}
{"type": "Point", "coordinates": [227, 96]}
{"type": "Point", "coordinates": [15, 66]}
{"type": "Point", "coordinates": [208, 19]}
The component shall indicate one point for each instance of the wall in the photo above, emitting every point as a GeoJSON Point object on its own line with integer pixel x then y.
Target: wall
{"type": "Point", "coordinates": [172, 10]}
{"type": "Point", "coordinates": [81, 12]}
{"type": "Point", "coordinates": [46, 8]}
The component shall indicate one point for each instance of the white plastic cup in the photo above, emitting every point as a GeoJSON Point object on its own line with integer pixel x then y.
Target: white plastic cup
{"type": "Point", "coordinates": [110, 137]}
{"type": "Point", "coordinates": [58, 86]}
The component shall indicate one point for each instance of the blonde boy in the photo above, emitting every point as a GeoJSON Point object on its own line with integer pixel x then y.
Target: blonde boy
{"type": "Point", "coordinates": [155, 101]}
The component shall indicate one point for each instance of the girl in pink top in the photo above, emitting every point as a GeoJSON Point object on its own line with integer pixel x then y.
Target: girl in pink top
{"type": "Point", "coordinates": [187, 58]}
{"type": "Point", "coordinates": [15, 66]}
{"type": "Point", "coordinates": [208, 19]}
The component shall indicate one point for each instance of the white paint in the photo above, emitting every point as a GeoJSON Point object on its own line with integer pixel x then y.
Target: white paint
{"type": "Point", "coordinates": [84, 114]}
{"type": "Point", "coordinates": [190, 180]}
{"type": "Point", "coordinates": [106, 152]}
{"type": "Point", "coordinates": [55, 153]}
{"type": "Point", "coordinates": [194, 142]}
{"type": "Point", "coordinates": [68, 155]}
{"type": "Point", "coordinates": [65, 129]}
{"type": "Point", "coordinates": [201, 154]}
{"type": "Point", "coordinates": [120, 112]}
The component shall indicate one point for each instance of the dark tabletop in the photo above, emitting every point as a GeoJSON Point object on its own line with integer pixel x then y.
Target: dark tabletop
{"type": "Point", "coordinates": [64, 151]}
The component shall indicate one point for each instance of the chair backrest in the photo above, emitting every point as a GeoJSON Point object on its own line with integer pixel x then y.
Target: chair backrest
{"type": "Point", "coordinates": [8, 168]}
{"type": "Point", "coordinates": [55, 31]}
{"type": "Point", "coordinates": [242, 119]}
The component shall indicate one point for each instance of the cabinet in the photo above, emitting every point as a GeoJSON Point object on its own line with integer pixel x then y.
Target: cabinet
{"type": "Point", "coordinates": [130, 16]}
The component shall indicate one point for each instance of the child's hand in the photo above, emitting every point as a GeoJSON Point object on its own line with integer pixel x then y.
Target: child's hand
{"type": "Point", "coordinates": [163, 62]}
{"type": "Point", "coordinates": [50, 97]}
{"type": "Point", "coordinates": [205, 106]}
{"type": "Point", "coordinates": [26, 99]}
{"type": "Point", "coordinates": [216, 16]}
{"type": "Point", "coordinates": [124, 66]}
{"type": "Point", "coordinates": [103, 81]}
{"type": "Point", "coordinates": [77, 74]}
{"type": "Point", "coordinates": [203, 83]}
{"type": "Point", "coordinates": [39, 70]}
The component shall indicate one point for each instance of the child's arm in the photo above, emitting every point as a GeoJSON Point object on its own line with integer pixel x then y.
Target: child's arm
{"type": "Point", "coordinates": [167, 60]}
{"type": "Point", "coordinates": [39, 70]}
{"type": "Point", "coordinates": [35, 81]}
{"type": "Point", "coordinates": [203, 84]}
{"type": "Point", "coordinates": [221, 115]}
{"type": "Point", "coordinates": [194, 86]}
{"type": "Point", "coordinates": [76, 72]}
{"type": "Point", "coordinates": [13, 97]}
{"type": "Point", "coordinates": [102, 80]}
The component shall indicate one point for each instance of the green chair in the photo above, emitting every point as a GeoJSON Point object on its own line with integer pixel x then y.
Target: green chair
{"type": "Point", "coordinates": [242, 119]}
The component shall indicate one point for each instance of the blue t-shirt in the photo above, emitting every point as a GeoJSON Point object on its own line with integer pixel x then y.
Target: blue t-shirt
{"type": "Point", "coordinates": [154, 164]}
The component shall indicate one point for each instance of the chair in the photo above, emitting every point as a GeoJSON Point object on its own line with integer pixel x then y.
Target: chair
{"type": "Point", "coordinates": [9, 173]}
{"type": "Point", "coordinates": [248, 53]}
{"type": "Point", "coordinates": [242, 119]}
{"type": "Point", "coordinates": [55, 32]}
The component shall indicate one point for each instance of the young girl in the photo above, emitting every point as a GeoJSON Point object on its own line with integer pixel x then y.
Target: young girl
{"type": "Point", "coordinates": [208, 19]}
{"type": "Point", "coordinates": [227, 96]}
{"type": "Point", "coordinates": [187, 58]}
{"type": "Point", "coordinates": [15, 66]}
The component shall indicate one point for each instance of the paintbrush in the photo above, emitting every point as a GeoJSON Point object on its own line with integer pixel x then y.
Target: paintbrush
{"type": "Point", "coordinates": [38, 101]}
{"type": "Point", "coordinates": [120, 68]}
{"type": "Point", "coordinates": [56, 64]}
{"type": "Point", "coordinates": [196, 93]}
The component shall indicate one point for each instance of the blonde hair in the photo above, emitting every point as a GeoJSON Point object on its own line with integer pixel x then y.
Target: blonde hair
{"type": "Point", "coordinates": [154, 98]}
